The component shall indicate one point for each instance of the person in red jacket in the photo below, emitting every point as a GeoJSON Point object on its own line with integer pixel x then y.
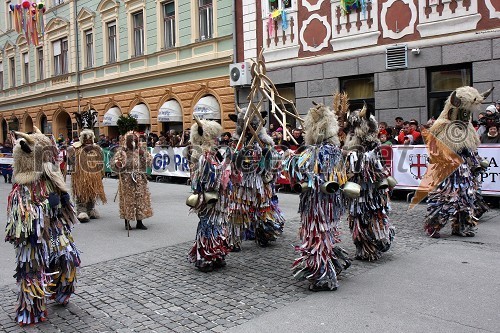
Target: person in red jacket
{"type": "Point", "coordinates": [409, 129]}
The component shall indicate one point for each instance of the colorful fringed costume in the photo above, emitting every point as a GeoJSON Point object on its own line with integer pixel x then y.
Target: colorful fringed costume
{"type": "Point", "coordinates": [40, 216]}
{"type": "Point", "coordinates": [210, 247]}
{"type": "Point", "coordinates": [86, 179]}
{"type": "Point", "coordinates": [131, 161]}
{"type": "Point", "coordinates": [368, 215]}
{"type": "Point", "coordinates": [319, 172]}
{"type": "Point", "coordinates": [455, 167]}
{"type": "Point", "coordinates": [253, 210]}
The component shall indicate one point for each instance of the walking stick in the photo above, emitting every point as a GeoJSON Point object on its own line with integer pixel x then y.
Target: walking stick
{"type": "Point", "coordinates": [120, 190]}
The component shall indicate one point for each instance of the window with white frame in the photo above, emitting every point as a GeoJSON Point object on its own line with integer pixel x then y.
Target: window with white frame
{"type": "Point", "coordinates": [39, 53]}
{"type": "Point", "coordinates": [138, 21]}
{"type": "Point", "coordinates": [26, 67]}
{"type": "Point", "coordinates": [111, 29]}
{"type": "Point", "coordinates": [279, 4]}
{"type": "Point", "coordinates": [9, 14]}
{"type": "Point", "coordinates": [1, 75]}
{"type": "Point", "coordinates": [89, 48]}
{"type": "Point", "coordinates": [205, 16]}
{"type": "Point", "coordinates": [168, 10]}
{"type": "Point", "coordinates": [57, 2]}
{"type": "Point", "coordinates": [12, 67]}
{"type": "Point", "coordinates": [60, 48]}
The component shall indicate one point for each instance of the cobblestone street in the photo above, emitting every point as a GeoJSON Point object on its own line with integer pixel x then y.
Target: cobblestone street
{"type": "Point", "coordinates": [159, 291]}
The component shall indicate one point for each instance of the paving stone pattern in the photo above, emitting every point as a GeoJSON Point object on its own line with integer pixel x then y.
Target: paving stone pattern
{"type": "Point", "coordinates": [159, 291]}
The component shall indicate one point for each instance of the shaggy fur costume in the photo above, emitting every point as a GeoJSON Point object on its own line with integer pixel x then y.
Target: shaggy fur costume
{"type": "Point", "coordinates": [368, 220]}
{"type": "Point", "coordinates": [320, 212]}
{"type": "Point", "coordinates": [253, 210]}
{"type": "Point", "coordinates": [86, 179]}
{"type": "Point", "coordinates": [131, 162]}
{"type": "Point", "coordinates": [210, 247]}
{"type": "Point", "coordinates": [457, 198]}
{"type": "Point", "coordinates": [40, 216]}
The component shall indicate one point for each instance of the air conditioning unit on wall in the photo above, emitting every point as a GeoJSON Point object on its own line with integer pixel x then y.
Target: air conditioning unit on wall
{"type": "Point", "coordinates": [239, 74]}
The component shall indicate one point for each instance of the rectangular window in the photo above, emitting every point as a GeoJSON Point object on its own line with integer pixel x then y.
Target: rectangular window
{"type": "Point", "coordinates": [89, 49]}
{"type": "Point", "coordinates": [138, 33]}
{"type": "Point", "coordinates": [60, 48]}
{"type": "Point", "coordinates": [12, 65]}
{"type": "Point", "coordinates": [360, 89]}
{"type": "Point", "coordinates": [1, 75]}
{"type": "Point", "coordinates": [111, 42]}
{"type": "Point", "coordinates": [26, 68]}
{"type": "Point", "coordinates": [39, 52]}
{"type": "Point", "coordinates": [56, 47]}
{"type": "Point", "coordinates": [442, 81]}
{"type": "Point", "coordinates": [57, 2]}
{"type": "Point", "coordinates": [273, 4]}
{"type": "Point", "coordinates": [9, 13]}
{"type": "Point", "coordinates": [205, 12]}
{"type": "Point", "coordinates": [64, 55]}
{"type": "Point", "coordinates": [168, 24]}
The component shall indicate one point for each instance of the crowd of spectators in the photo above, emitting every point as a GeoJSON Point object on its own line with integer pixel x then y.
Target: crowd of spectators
{"type": "Point", "coordinates": [410, 132]}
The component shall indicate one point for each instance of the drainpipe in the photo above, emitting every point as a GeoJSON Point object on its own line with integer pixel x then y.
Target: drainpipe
{"type": "Point", "coordinates": [77, 55]}
{"type": "Point", "coordinates": [235, 47]}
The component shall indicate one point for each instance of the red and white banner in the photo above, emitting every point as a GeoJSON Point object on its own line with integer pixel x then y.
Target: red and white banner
{"type": "Point", "coordinates": [409, 164]}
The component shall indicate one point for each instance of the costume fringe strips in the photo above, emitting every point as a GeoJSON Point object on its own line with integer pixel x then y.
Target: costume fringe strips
{"type": "Point", "coordinates": [457, 198]}
{"type": "Point", "coordinates": [253, 210]}
{"type": "Point", "coordinates": [368, 219]}
{"type": "Point", "coordinates": [39, 222]}
{"type": "Point", "coordinates": [87, 185]}
{"type": "Point", "coordinates": [210, 246]}
{"type": "Point", "coordinates": [321, 260]}
{"type": "Point", "coordinates": [135, 198]}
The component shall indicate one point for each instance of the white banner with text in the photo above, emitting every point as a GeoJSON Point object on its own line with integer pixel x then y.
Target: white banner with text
{"type": "Point", "coordinates": [409, 164]}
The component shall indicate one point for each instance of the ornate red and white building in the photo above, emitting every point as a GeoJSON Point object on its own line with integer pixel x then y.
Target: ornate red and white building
{"type": "Point", "coordinates": [403, 57]}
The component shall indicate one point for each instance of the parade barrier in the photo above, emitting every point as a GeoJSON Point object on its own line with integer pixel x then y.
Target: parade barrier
{"type": "Point", "coordinates": [108, 155]}
{"type": "Point", "coordinates": [408, 165]}
{"type": "Point", "coordinates": [170, 162]}
{"type": "Point", "coordinates": [6, 158]}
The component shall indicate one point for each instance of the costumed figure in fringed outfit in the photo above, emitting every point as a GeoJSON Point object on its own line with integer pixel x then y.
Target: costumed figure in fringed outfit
{"type": "Point", "coordinates": [318, 171]}
{"type": "Point", "coordinates": [455, 166]}
{"type": "Point", "coordinates": [131, 162]}
{"type": "Point", "coordinates": [253, 205]}
{"type": "Point", "coordinates": [368, 215]}
{"type": "Point", "coordinates": [210, 247]}
{"type": "Point", "coordinates": [86, 179]}
{"type": "Point", "coordinates": [40, 216]}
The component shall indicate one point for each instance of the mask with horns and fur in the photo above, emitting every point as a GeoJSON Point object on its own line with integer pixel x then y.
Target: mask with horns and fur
{"type": "Point", "coordinates": [239, 119]}
{"type": "Point", "coordinates": [33, 158]}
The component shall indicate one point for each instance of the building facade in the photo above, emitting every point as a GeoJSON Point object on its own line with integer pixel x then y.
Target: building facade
{"type": "Point", "coordinates": [159, 61]}
{"type": "Point", "coordinates": [401, 57]}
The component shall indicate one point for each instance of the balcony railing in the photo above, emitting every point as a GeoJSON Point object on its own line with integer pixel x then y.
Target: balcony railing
{"type": "Point", "coordinates": [281, 37]}
{"type": "Point", "coordinates": [358, 27]}
{"type": "Point", "coordinates": [439, 17]}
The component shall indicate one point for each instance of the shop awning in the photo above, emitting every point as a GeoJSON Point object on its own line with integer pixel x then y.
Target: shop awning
{"type": "Point", "coordinates": [170, 111]}
{"type": "Point", "coordinates": [207, 108]}
{"type": "Point", "coordinates": [111, 116]}
{"type": "Point", "coordinates": [141, 113]}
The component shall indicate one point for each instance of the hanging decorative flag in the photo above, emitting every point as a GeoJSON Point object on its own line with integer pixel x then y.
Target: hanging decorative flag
{"type": "Point", "coordinates": [28, 19]}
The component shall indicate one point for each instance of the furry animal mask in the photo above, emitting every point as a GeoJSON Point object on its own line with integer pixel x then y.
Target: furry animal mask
{"type": "Point", "coordinates": [34, 155]}
{"type": "Point", "coordinates": [130, 140]}
{"type": "Point", "coordinates": [453, 126]}
{"type": "Point", "coordinates": [239, 119]}
{"type": "Point", "coordinates": [321, 125]}
{"type": "Point", "coordinates": [87, 134]}
{"type": "Point", "coordinates": [204, 134]}
{"type": "Point", "coordinates": [362, 129]}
